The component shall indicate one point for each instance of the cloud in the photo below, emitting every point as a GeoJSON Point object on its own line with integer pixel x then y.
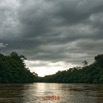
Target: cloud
{"type": "Point", "coordinates": [2, 45]}
{"type": "Point", "coordinates": [9, 24]}
{"type": "Point", "coordinates": [47, 67]}
{"type": "Point", "coordinates": [53, 30]}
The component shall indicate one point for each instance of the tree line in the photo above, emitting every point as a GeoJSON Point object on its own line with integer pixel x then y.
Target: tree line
{"type": "Point", "coordinates": [92, 73]}
{"type": "Point", "coordinates": [13, 69]}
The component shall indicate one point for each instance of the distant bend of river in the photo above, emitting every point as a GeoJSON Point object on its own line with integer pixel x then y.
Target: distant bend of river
{"type": "Point", "coordinates": [51, 93]}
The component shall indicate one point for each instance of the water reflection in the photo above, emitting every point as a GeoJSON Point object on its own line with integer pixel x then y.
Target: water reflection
{"type": "Point", "coordinates": [34, 93]}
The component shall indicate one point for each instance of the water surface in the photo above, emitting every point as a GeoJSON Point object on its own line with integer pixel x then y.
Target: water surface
{"type": "Point", "coordinates": [36, 92]}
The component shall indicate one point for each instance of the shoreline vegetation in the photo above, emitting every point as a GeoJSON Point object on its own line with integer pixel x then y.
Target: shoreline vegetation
{"type": "Point", "coordinates": [13, 70]}
{"type": "Point", "coordinates": [92, 73]}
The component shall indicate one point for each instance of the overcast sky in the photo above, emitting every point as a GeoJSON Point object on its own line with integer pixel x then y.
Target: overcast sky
{"type": "Point", "coordinates": [52, 34]}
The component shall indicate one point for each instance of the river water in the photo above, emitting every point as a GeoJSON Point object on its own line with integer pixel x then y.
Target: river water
{"type": "Point", "coordinates": [51, 93]}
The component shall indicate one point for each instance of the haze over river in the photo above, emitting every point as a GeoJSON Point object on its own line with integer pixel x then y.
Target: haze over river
{"type": "Point", "coordinates": [51, 93]}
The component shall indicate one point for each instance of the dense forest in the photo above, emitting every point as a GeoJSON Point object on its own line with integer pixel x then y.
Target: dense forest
{"type": "Point", "coordinates": [92, 73]}
{"type": "Point", "coordinates": [13, 70]}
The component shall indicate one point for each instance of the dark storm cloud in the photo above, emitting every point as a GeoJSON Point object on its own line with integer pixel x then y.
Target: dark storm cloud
{"type": "Point", "coordinates": [53, 30]}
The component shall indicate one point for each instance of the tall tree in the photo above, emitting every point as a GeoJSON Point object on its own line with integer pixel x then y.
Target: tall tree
{"type": "Point", "coordinates": [85, 63]}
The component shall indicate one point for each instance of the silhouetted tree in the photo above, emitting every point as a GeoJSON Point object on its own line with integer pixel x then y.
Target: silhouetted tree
{"type": "Point", "coordinates": [99, 59]}
{"type": "Point", "coordinates": [85, 63]}
{"type": "Point", "coordinates": [13, 70]}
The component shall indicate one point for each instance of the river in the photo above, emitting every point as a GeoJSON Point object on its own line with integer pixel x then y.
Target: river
{"type": "Point", "coordinates": [51, 93]}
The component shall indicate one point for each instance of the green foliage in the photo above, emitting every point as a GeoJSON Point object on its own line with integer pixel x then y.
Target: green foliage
{"type": "Point", "coordinates": [99, 59]}
{"type": "Point", "coordinates": [13, 70]}
{"type": "Point", "coordinates": [88, 74]}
